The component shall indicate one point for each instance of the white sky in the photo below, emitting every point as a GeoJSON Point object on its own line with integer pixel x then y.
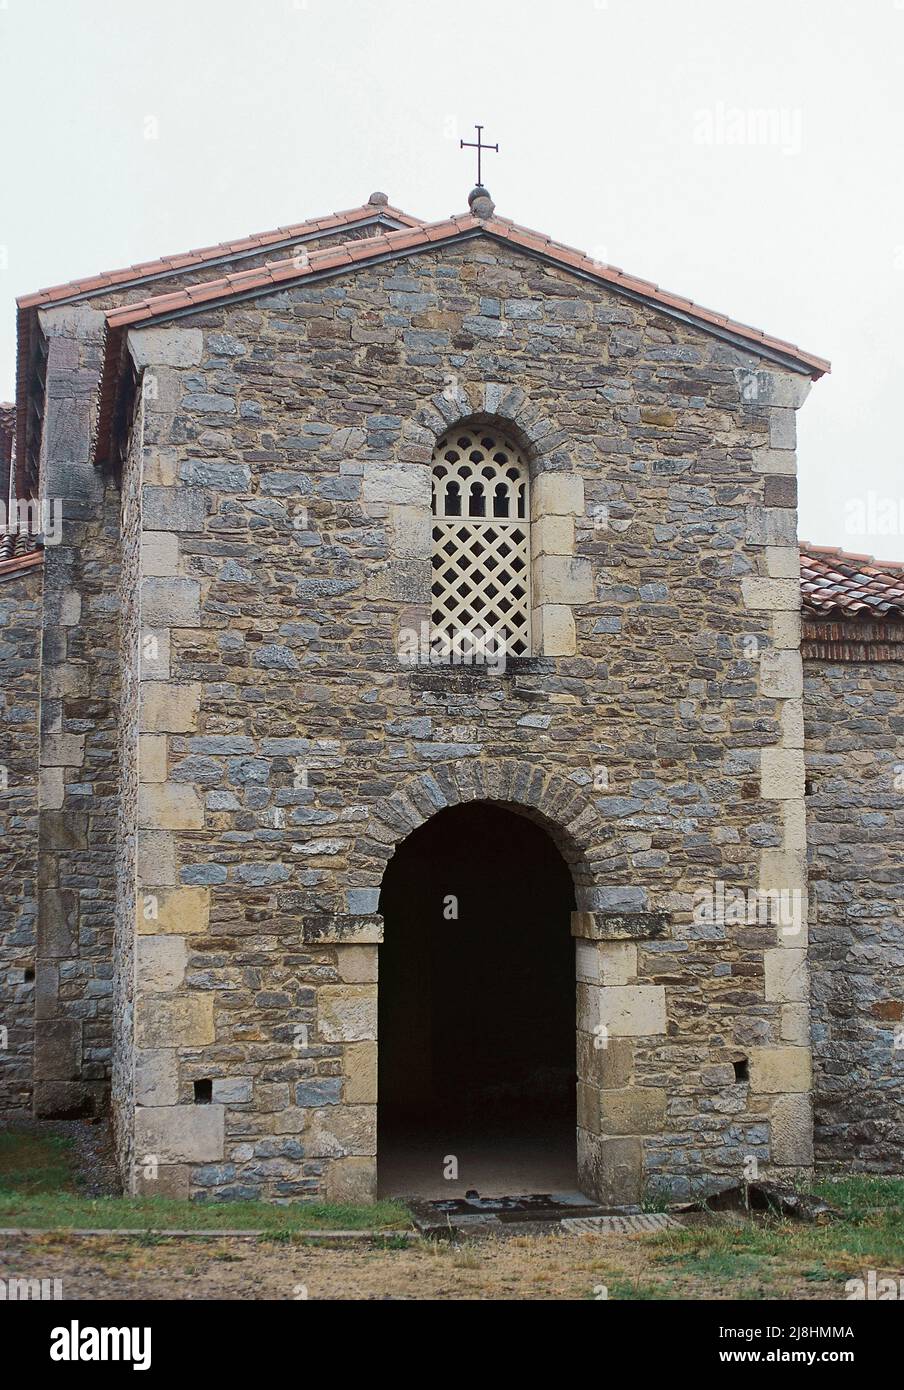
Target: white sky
{"type": "Point", "coordinates": [619, 127]}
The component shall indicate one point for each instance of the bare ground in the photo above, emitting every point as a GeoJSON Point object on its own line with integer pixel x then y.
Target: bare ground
{"type": "Point", "coordinates": [520, 1267]}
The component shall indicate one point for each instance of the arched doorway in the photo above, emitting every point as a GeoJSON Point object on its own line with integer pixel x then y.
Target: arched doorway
{"type": "Point", "coordinates": [476, 1009]}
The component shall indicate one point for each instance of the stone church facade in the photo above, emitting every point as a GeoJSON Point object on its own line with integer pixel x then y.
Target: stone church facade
{"type": "Point", "coordinates": [222, 715]}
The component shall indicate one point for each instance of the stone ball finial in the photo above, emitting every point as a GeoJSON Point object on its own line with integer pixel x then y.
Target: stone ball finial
{"type": "Point", "coordinates": [379, 200]}
{"type": "Point", "coordinates": [480, 202]}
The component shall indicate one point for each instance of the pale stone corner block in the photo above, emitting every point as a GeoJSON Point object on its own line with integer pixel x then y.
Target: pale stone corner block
{"type": "Point", "coordinates": [782, 427]}
{"type": "Point", "coordinates": [180, 1133]}
{"type": "Point", "coordinates": [786, 630]}
{"type": "Point", "coordinates": [347, 1013]}
{"type": "Point", "coordinates": [562, 579]}
{"type": "Point", "coordinates": [160, 554]}
{"type": "Point", "coordinates": [783, 561]}
{"type": "Point", "coordinates": [781, 774]}
{"type": "Point", "coordinates": [557, 494]}
{"type": "Point", "coordinates": [70, 608]}
{"type": "Point", "coordinates": [553, 630]}
{"type": "Point", "coordinates": [782, 870]}
{"type": "Point", "coordinates": [170, 602]}
{"type": "Point", "coordinates": [73, 321]}
{"type": "Point", "coordinates": [161, 1018]}
{"type": "Point", "coordinates": [794, 816]}
{"type": "Point", "coordinates": [169, 806]}
{"type": "Point", "coordinates": [156, 1077]}
{"type": "Point", "coordinates": [51, 788]}
{"type": "Point", "coordinates": [787, 980]}
{"type": "Point", "coordinates": [632, 1010]}
{"type": "Point", "coordinates": [617, 962]}
{"type": "Point", "coordinates": [781, 674]}
{"type": "Point", "coordinates": [183, 911]}
{"type": "Point", "coordinates": [156, 858]}
{"type": "Point", "coordinates": [166, 347]}
{"type": "Point", "coordinates": [632, 1110]}
{"type": "Point", "coordinates": [776, 461]}
{"type": "Point", "coordinates": [154, 654]}
{"type": "Point", "coordinates": [795, 1025]}
{"type": "Point", "coordinates": [160, 963]}
{"type": "Point", "coordinates": [552, 535]}
{"type": "Point", "coordinates": [359, 1066]}
{"type": "Point", "coordinates": [357, 965]}
{"type": "Point", "coordinates": [793, 724]}
{"type": "Point", "coordinates": [152, 760]}
{"type": "Point", "coordinates": [774, 1070]}
{"type": "Point", "coordinates": [759, 594]}
{"type": "Point", "coordinates": [62, 750]}
{"type": "Point", "coordinates": [170, 707]}
{"type": "Point", "coordinates": [792, 1131]}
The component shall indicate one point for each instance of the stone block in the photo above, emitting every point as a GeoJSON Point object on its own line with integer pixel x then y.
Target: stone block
{"type": "Point", "coordinates": [173, 508]}
{"type": "Point", "coordinates": [58, 1050]}
{"type": "Point", "coordinates": [780, 490]}
{"type": "Point", "coordinates": [166, 347]}
{"type": "Point", "coordinates": [160, 554]}
{"type": "Point", "coordinates": [170, 707]}
{"type": "Point", "coordinates": [624, 1010]}
{"type": "Point", "coordinates": [605, 1062]}
{"type": "Point", "coordinates": [404, 484]}
{"type": "Point", "coordinates": [174, 911]}
{"type": "Point", "coordinates": [156, 858]}
{"type": "Point", "coordinates": [410, 532]}
{"type": "Point", "coordinates": [562, 579]}
{"type": "Point", "coordinates": [787, 980]}
{"type": "Point", "coordinates": [160, 963]}
{"type": "Point", "coordinates": [171, 602]}
{"type": "Point", "coordinates": [781, 674]}
{"type": "Point", "coordinates": [557, 494]}
{"type": "Point", "coordinates": [632, 1110]}
{"type": "Point", "coordinates": [152, 757]}
{"type": "Point", "coordinates": [553, 630]}
{"type": "Point", "coordinates": [617, 962]}
{"type": "Point", "coordinates": [359, 1066]}
{"type": "Point", "coordinates": [357, 964]}
{"type": "Point", "coordinates": [795, 1024]}
{"type": "Point", "coordinates": [58, 923]}
{"type": "Point", "coordinates": [775, 461]}
{"type": "Point", "coordinates": [611, 1170]}
{"type": "Point", "coordinates": [793, 724]}
{"type": "Point", "coordinates": [782, 428]}
{"type": "Point", "coordinates": [791, 1125]}
{"type": "Point", "coordinates": [552, 535]}
{"type": "Point", "coordinates": [781, 774]}
{"type": "Point", "coordinates": [169, 806]}
{"type": "Point", "coordinates": [180, 1133]}
{"type": "Point", "coordinates": [774, 1070]}
{"type": "Point", "coordinates": [232, 1090]}
{"type": "Point", "coordinates": [171, 1180]}
{"type": "Point", "coordinates": [346, 1013]}
{"type": "Point", "coordinates": [175, 1020]}
{"type": "Point", "coordinates": [154, 654]}
{"type": "Point", "coordinates": [763, 594]}
{"type": "Point", "coordinates": [783, 561]}
{"type": "Point", "coordinates": [51, 788]}
{"type": "Point", "coordinates": [156, 1076]}
{"type": "Point", "coordinates": [351, 1180]}
{"type": "Point", "coordinates": [62, 750]}
{"type": "Point", "coordinates": [786, 629]}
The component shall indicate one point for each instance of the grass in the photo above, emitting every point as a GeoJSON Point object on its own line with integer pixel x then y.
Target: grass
{"type": "Point", "coordinates": [39, 1187]}
{"type": "Point", "coordinates": [770, 1253]}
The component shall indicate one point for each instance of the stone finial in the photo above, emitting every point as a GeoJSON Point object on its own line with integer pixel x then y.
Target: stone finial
{"type": "Point", "coordinates": [480, 202]}
{"type": "Point", "coordinates": [378, 200]}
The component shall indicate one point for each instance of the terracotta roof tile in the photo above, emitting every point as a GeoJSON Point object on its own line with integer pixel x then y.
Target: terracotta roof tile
{"type": "Point", "coordinates": [242, 282]}
{"type": "Point", "coordinates": [833, 581]}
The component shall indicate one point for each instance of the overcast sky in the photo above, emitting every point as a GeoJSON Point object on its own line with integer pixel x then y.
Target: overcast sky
{"type": "Point", "coordinates": [746, 155]}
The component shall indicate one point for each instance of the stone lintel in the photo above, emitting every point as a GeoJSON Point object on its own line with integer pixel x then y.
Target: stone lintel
{"type": "Point", "coordinates": [621, 926]}
{"type": "Point", "coordinates": [344, 928]}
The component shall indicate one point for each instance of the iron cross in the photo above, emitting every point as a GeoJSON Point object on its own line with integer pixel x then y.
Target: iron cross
{"type": "Point", "coordinates": [479, 146]}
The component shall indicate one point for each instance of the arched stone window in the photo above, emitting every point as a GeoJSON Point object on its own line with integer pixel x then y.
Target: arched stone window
{"type": "Point", "coordinates": [481, 541]}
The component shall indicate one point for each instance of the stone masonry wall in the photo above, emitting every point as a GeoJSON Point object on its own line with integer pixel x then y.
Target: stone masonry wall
{"type": "Point", "coordinates": [20, 647]}
{"type": "Point", "coordinates": [855, 813]}
{"type": "Point", "coordinates": [285, 751]}
{"type": "Point", "coordinates": [74, 947]}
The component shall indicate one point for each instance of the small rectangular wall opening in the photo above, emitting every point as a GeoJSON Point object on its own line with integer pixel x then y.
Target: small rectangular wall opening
{"type": "Point", "coordinates": [741, 1069]}
{"type": "Point", "coordinates": [203, 1092]}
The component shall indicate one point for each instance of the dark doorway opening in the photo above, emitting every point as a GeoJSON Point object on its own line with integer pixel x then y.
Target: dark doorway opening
{"type": "Point", "coordinates": [476, 1034]}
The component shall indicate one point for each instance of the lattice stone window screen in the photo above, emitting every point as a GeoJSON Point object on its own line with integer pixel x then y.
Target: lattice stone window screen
{"type": "Point", "coordinates": [481, 541]}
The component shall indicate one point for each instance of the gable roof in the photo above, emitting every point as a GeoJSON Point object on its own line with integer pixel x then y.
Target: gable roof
{"type": "Point", "coordinates": [377, 211]}
{"type": "Point", "coordinates": [346, 256]}
{"type": "Point", "coordinates": [833, 581]}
